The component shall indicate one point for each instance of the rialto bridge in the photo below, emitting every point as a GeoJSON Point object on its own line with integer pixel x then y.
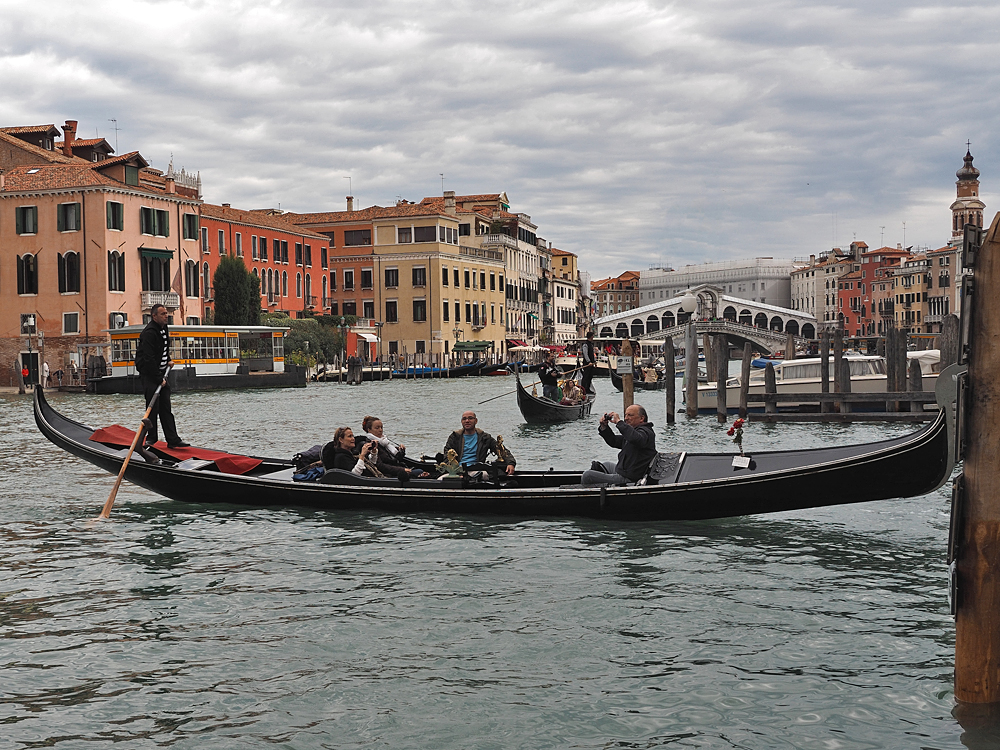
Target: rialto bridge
{"type": "Point", "coordinates": [766, 326]}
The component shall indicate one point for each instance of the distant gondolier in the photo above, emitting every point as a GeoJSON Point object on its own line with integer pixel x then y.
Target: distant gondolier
{"type": "Point", "coordinates": [589, 352]}
{"type": "Point", "coordinates": [152, 357]}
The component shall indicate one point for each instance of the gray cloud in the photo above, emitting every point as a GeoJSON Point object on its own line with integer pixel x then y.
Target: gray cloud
{"type": "Point", "coordinates": [633, 132]}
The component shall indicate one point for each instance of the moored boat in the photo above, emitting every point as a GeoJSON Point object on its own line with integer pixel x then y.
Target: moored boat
{"type": "Point", "coordinates": [641, 385]}
{"type": "Point", "coordinates": [684, 486]}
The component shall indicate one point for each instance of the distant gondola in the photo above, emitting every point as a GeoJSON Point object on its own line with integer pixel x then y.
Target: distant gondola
{"type": "Point", "coordinates": [685, 486]}
{"type": "Point", "coordinates": [641, 385]}
{"type": "Point", "coordinates": [540, 410]}
{"type": "Point", "coordinates": [439, 372]}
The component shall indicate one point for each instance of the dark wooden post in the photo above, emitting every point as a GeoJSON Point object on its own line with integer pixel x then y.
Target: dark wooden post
{"type": "Point", "coordinates": [790, 346]}
{"type": "Point", "coordinates": [824, 367]}
{"type": "Point", "coordinates": [838, 357]}
{"type": "Point", "coordinates": [721, 376]}
{"type": "Point", "coordinates": [628, 392]}
{"type": "Point", "coordinates": [845, 384]}
{"type": "Point", "coordinates": [691, 370]}
{"type": "Point", "coordinates": [949, 340]}
{"type": "Point", "coordinates": [915, 384]}
{"type": "Point", "coordinates": [770, 386]}
{"type": "Point", "coordinates": [977, 624]}
{"type": "Point", "coordinates": [671, 389]}
{"type": "Point", "coordinates": [745, 377]}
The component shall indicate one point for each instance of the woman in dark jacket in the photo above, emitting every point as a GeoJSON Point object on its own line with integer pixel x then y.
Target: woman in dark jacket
{"type": "Point", "coordinates": [388, 454]}
{"type": "Point", "coordinates": [339, 453]}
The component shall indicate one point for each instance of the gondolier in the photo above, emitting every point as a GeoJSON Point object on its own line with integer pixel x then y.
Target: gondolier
{"type": "Point", "coordinates": [152, 358]}
{"type": "Point", "coordinates": [589, 353]}
{"type": "Point", "coordinates": [549, 374]}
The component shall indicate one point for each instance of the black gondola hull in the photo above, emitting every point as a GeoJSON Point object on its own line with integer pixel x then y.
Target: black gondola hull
{"type": "Point", "coordinates": [640, 385]}
{"type": "Point", "coordinates": [542, 411]}
{"type": "Point", "coordinates": [706, 485]}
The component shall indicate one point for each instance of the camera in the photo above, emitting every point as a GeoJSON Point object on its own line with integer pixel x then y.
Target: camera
{"type": "Point", "coordinates": [607, 417]}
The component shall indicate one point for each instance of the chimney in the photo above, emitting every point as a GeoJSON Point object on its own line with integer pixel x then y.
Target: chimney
{"type": "Point", "coordinates": [70, 130]}
{"type": "Point", "coordinates": [449, 202]}
{"type": "Point", "coordinates": [3, 180]}
{"type": "Point", "coordinates": [350, 203]}
{"type": "Point", "coordinates": [812, 260]}
{"type": "Point", "coordinates": [226, 205]}
{"type": "Point", "coordinates": [171, 185]}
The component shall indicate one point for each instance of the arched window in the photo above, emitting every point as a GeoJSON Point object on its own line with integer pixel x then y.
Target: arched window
{"type": "Point", "coordinates": [298, 285]}
{"type": "Point", "coordinates": [777, 324]}
{"type": "Point", "coordinates": [746, 317]}
{"type": "Point", "coordinates": [637, 327]}
{"type": "Point", "coordinates": [270, 283]}
{"type": "Point", "coordinates": [69, 272]}
{"type": "Point", "coordinates": [668, 319]}
{"type": "Point", "coordinates": [652, 324]}
{"type": "Point", "coordinates": [116, 271]}
{"type": "Point", "coordinates": [206, 278]}
{"type": "Point", "coordinates": [309, 286]}
{"type": "Point", "coordinates": [792, 327]}
{"type": "Point", "coordinates": [27, 274]}
{"type": "Point", "coordinates": [760, 320]}
{"type": "Point", "coordinates": [191, 277]}
{"type": "Point", "coordinates": [606, 332]}
{"type": "Point", "coordinates": [621, 331]}
{"type": "Point", "coordinates": [809, 331]}
{"type": "Point", "coordinates": [729, 313]}
{"type": "Point", "coordinates": [284, 283]}
{"type": "Point", "coordinates": [324, 291]}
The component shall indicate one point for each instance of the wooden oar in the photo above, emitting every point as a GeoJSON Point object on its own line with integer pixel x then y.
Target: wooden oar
{"type": "Point", "coordinates": [106, 510]}
{"type": "Point", "coordinates": [537, 382]}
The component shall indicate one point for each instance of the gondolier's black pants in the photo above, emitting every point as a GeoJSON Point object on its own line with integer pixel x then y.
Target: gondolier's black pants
{"type": "Point", "coordinates": [588, 375]}
{"type": "Point", "coordinates": [160, 410]}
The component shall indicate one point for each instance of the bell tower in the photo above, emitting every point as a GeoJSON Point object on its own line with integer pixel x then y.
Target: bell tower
{"type": "Point", "coordinates": [967, 208]}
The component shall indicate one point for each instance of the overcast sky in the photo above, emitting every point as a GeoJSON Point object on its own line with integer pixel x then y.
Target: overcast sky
{"type": "Point", "coordinates": [633, 133]}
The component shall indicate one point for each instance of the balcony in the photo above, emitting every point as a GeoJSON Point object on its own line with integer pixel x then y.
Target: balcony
{"type": "Point", "coordinates": [481, 252]}
{"type": "Point", "coordinates": [311, 300]}
{"type": "Point", "coordinates": [502, 240]}
{"type": "Point", "coordinates": [170, 300]}
{"type": "Point", "coordinates": [327, 302]}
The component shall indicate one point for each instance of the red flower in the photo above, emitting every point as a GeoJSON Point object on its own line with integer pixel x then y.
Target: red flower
{"type": "Point", "coordinates": [738, 423]}
{"type": "Point", "coordinates": [732, 431]}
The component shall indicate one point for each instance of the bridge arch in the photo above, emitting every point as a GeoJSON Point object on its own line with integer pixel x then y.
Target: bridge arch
{"type": "Point", "coordinates": [621, 331]}
{"type": "Point", "coordinates": [606, 332]}
{"type": "Point", "coordinates": [729, 313]}
{"type": "Point", "coordinates": [668, 319]}
{"type": "Point", "coordinates": [746, 317]}
{"type": "Point", "coordinates": [792, 326]}
{"type": "Point", "coordinates": [760, 320]}
{"type": "Point", "coordinates": [809, 331]}
{"type": "Point", "coordinates": [637, 327]}
{"type": "Point", "coordinates": [652, 324]}
{"type": "Point", "coordinates": [776, 324]}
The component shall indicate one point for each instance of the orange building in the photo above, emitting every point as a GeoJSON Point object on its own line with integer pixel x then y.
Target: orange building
{"type": "Point", "coordinates": [615, 294]}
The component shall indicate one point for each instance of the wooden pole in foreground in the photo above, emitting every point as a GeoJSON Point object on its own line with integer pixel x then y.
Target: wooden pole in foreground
{"type": "Point", "coordinates": [770, 386]}
{"type": "Point", "coordinates": [977, 622]}
{"type": "Point", "coordinates": [691, 370]}
{"type": "Point", "coordinates": [824, 366]}
{"type": "Point", "coordinates": [628, 387]}
{"type": "Point", "coordinates": [745, 377]}
{"type": "Point", "coordinates": [671, 389]}
{"type": "Point", "coordinates": [790, 346]}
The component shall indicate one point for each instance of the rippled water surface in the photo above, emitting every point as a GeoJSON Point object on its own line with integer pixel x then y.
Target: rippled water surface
{"type": "Point", "coordinates": [193, 625]}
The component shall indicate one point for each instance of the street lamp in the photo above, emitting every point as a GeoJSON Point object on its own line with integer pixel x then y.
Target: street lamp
{"type": "Point", "coordinates": [457, 330]}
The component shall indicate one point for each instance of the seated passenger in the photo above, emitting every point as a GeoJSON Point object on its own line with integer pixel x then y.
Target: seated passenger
{"type": "Point", "coordinates": [650, 375]}
{"type": "Point", "coordinates": [387, 454]}
{"type": "Point", "coordinates": [638, 448]}
{"type": "Point", "coordinates": [339, 454]}
{"type": "Point", "coordinates": [472, 445]}
{"type": "Point", "coordinates": [572, 394]}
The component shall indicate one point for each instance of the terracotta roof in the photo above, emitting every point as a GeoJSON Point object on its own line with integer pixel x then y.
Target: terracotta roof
{"type": "Point", "coordinates": [84, 142]}
{"type": "Point", "coordinates": [557, 251]}
{"type": "Point", "coordinates": [257, 219]}
{"type": "Point", "coordinates": [365, 215]}
{"type": "Point", "coordinates": [850, 276]}
{"type": "Point", "coordinates": [80, 173]}
{"type": "Point", "coordinates": [121, 159]}
{"type": "Point", "coordinates": [29, 129]}
{"type": "Point", "coordinates": [44, 155]}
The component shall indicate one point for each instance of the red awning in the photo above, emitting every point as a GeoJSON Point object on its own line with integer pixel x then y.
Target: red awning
{"type": "Point", "coordinates": [515, 342]}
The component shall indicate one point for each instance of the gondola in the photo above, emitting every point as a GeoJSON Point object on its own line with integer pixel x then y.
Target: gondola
{"type": "Point", "coordinates": [541, 411]}
{"type": "Point", "coordinates": [439, 372]}
{"type": "Point", "coordinates": [641, 385]}
{"type": "Point", "coordinates": [497, 369]}
{"type": "Point", "coordinates": [687, 486]}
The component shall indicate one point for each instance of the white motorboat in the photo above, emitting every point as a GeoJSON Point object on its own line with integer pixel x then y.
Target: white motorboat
{"type": "Point", "coordinates": [803, 376]}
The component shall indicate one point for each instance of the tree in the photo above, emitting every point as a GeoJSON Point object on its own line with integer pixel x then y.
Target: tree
{"type": "Point", "coordinates": [232, 291]}
{"type": "Point", "coordinates": [253, 303]}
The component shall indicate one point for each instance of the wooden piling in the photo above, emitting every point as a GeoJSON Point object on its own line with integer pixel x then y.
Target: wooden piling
{"type": "Point", "coordinates": [770, 386]}
{"type": "Point", "coordinates": [824, 366]}
{"type": "Point", "coordinates": [948, 340]}
{"type": "Point", "coordinates": [691, 370]}
{"type": "Point", "coordinates": [977, 623]}
{"type": "Point", "coordinates": [721, 376]}
{"type": "Point", "coordinates": [845, 384]}
{"type": "Point", "coordinates": [628, 392]}
{"type": "Point", "coordinates": [671, 389]}
{"type": "Point", "coordinates": [838, 357]}
{"type": "Point", "coordinates": [915, 383]}
{"type": "Point", "coordinates": [745, 377]}
{"type": "Point", "coordinates": [790, 346]}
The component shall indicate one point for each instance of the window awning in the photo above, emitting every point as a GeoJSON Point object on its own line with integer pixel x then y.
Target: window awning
{"type": "Point", "coordinates": [152, 252]}
{"type": "Point", "coordinates": [472, 346]}
{"type": "Point", "coordinates": [369, 337]}
{"type": "Point", "coordinates": [515, 342]}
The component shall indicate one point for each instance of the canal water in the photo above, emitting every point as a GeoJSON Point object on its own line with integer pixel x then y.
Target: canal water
{"type": "Point", "coordinates": [193, 625]}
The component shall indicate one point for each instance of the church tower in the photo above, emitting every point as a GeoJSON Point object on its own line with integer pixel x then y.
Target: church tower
{"type": "Point", "coordinates": [967, 208]}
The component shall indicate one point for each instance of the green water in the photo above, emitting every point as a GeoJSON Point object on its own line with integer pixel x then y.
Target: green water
{"type": "Point", "coordinates": [192, 625]}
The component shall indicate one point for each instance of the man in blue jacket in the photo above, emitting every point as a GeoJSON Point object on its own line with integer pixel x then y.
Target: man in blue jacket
{"type": "Point", "coordinates": [638, 448]}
